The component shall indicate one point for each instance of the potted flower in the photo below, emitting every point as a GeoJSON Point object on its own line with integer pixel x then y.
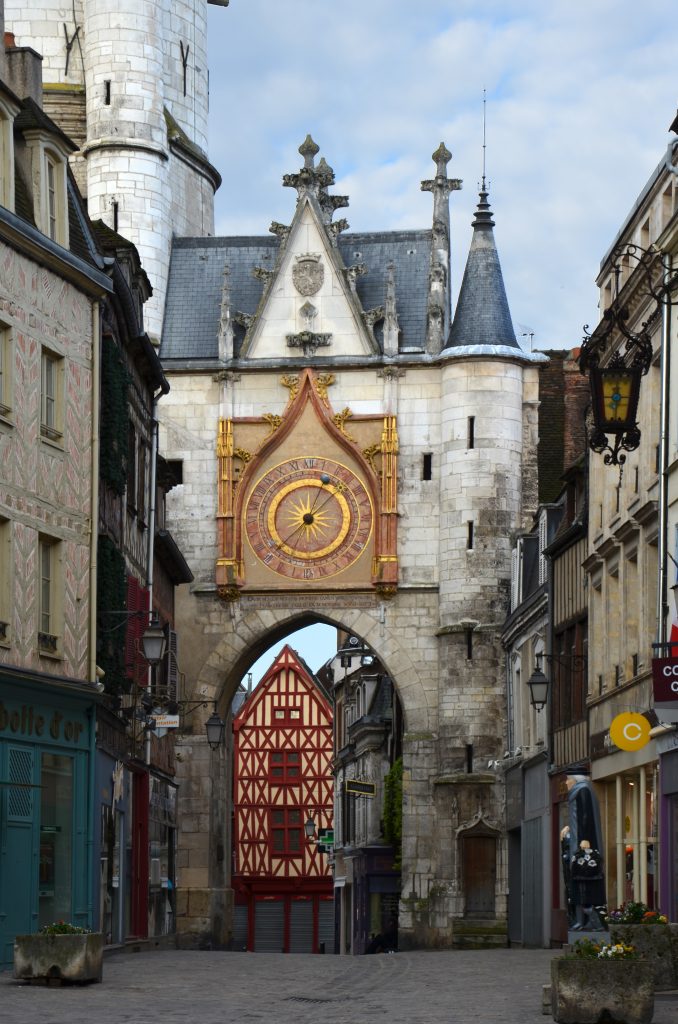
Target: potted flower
{"type": "Point", "coordinates": [599, 981]}
{"type": "Point", "coordinates": [648, 931]}
{"type": "Point", "coordinates": [60, 951]}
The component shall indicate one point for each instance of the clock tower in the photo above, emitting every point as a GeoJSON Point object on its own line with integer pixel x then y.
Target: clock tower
{"type": "Point", "coordinates": [352, 453]}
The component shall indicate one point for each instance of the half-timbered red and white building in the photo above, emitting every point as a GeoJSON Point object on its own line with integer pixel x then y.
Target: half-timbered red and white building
{"type": "Point", "coordinates": [282, 776]}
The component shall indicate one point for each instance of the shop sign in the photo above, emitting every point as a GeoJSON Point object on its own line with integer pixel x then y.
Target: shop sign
{"type": "Point", "coordinates": [665, 687]}
{"type": "Point", "coordinates": [165, 721]}
{"type": "Point", "coordinates": [360, 788]}
{"type": "Point", "coordinates": [665, 679]}
{"type": "Point", "coordinates": [25, 720]}
{"type": "Point", "coordinates": [630, 731]}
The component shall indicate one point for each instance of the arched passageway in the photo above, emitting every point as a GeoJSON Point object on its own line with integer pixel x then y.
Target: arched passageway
{"type": "Point", "coordinates": [205, 911]}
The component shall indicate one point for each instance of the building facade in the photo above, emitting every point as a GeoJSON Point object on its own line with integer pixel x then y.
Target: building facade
{"type": "Point", "coordinates": [368, 801]}
{"type": "Point", "coordinates": [51, 286]}
{"type": "Point", "coordinates": [282, 778]}
{"type": "Point", "coordinates": [341, 463]}
{"type": "Point", "coordinates": [626, 538]}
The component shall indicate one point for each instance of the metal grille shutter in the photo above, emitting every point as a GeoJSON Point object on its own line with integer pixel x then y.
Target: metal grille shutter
{"type": "Point", "coordinates": [326, 924]}
{"type": "Point", "coordinates": [532, 883]}
{"type": "Point", "coordinates": [269, 926]}
{"type": "Point", "coordinates": [239, 940]}
{"type": "Point", "coordinates": [301, 926]}
{"type": "Point", "coordinates": [20, 800]}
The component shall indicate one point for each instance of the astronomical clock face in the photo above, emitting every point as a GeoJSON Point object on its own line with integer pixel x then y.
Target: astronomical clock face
{"type": "Point", "coordinates": [308, 518]}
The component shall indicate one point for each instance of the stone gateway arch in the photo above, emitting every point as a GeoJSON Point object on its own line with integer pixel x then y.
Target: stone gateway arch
{"type": "Point", "coordinates": [351, 453]}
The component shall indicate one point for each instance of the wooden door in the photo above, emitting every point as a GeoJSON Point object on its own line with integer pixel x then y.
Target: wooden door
{"type": "Point", "coordinates": [480, 874]}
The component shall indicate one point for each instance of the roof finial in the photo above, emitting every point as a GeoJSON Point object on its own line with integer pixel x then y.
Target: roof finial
{"type": "Point", "coordinates": [308, 150]}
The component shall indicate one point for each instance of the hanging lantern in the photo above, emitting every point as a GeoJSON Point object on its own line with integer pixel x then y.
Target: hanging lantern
{"type": "Point", "coordinates": [615, 390]}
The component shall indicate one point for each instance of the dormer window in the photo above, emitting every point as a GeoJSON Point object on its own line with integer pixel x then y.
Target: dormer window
{"type": "Point", "coordinates": [49, 161]}
{"type": "Point", "coordinates": [7, 114]}
{"type": "Point", "coordinates": [51, 197]}
{"type": "Point", "coordinates": [54, 198]}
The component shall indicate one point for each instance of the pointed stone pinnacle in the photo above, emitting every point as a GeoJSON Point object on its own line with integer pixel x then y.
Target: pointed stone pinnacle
{"type": "Point", "coordinates": [442, 157]}
{"type": "Point", "coordinates": [308, 150]}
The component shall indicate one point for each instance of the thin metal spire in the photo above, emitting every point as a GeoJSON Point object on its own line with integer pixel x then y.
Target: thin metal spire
{"type": "Point", "coordinates": [484, 135]}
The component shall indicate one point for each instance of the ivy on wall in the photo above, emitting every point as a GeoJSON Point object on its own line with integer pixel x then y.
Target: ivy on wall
{"type": "Point", "coordinates": [111, 596]}
{"type": "Point", "coordinates": [114, 416]}
{"type": "Point", "coordinates": [393, 809]}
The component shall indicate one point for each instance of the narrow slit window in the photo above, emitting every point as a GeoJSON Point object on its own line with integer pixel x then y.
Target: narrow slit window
{"type": "Point", "coordinates": [115, 215]}
{"type": "Point", "coordinates": [427, 468]}
{"type": "Point", "coordinates": [471, 432]}
{"type": "Point", "coordinates": [469, 758]}
{"type": "Point", "coordinates": [469, 534]}
{"type": "Point", "coordinates": [469, 644]}
{"type": "Point", "coordinates": [107, 92]}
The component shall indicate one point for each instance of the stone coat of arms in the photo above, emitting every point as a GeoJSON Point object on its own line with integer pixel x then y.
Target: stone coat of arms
{"type": "Point", "coordinates": [308, 273]}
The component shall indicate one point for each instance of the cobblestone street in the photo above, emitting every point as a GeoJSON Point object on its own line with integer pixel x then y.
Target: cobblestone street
{"type": "Point", "coordinates": [220, 988]}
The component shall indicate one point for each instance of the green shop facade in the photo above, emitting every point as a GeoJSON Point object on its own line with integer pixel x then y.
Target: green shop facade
{"type": "Point", "coordinates": [47, 744]}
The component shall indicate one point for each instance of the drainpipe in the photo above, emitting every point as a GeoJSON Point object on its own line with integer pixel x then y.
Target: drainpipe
{"type": "Point", "coordinates": [92, 627]}
{"type": "Point", "coordinates": [151, 537]}
{"type": "Point", "coordinates": [94, 507]}
{"type": "Point", "coordinates": [665, 371]}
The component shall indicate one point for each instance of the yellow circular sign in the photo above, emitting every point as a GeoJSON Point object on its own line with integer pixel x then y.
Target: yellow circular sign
{"type": "Point", "coordinates": [630, 731]}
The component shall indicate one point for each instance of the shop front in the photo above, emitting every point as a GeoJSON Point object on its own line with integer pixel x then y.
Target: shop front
{"type": "Point", "coordinates": [627, 786]}
{"type": "Point", "coordinates": [46, 805]}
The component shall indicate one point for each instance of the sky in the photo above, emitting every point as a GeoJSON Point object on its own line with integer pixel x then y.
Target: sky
{"type": "Point", "coordinates": [579, 99]}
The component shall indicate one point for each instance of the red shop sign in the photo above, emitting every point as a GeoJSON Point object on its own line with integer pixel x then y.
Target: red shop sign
{"type": "Point", "coordinates": [665, 679]}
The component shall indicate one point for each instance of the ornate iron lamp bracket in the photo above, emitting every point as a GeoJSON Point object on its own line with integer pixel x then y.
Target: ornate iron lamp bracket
{"type": "Point", "coordinates": [631, 357]}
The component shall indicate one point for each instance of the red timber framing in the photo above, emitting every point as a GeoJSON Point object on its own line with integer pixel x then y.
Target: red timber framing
{"type": "Point", "coordinates": [282, 776]}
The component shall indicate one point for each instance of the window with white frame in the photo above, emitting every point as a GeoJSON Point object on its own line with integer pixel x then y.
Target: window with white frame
{"type": "Point", "coordinates": [6, 374]}
{"type": "Point", "coordinates": [6, 159]}
{"type": "Point", "coordinates": [51, 396]}
{"type": "Point", "coordinates": [49, 177]}
{"type": "Point", "coordinates": [49, 569]}
{"type": "Point", "coordinates": [5, 578]}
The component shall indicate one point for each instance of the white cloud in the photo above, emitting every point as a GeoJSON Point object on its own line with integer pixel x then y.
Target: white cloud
{"type": "Point", "coordinates": [580, 96]}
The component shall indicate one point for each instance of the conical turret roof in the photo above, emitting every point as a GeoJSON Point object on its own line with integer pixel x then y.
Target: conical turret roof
{"type": "Point", "coordinates": [482, 318]}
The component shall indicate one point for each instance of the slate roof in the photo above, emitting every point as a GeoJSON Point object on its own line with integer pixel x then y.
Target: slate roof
{"type": "Point", "coordinates": [195, 285]}
{"type": "Point", "coordinates": [482, 318]}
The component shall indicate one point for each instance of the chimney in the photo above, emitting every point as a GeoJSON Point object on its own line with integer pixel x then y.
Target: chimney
{"type": "Point", "coordinates": [20, 66]}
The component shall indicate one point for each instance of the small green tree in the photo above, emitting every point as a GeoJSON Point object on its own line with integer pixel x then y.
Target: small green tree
{"type": "Point", "coordinates": [393, 809]}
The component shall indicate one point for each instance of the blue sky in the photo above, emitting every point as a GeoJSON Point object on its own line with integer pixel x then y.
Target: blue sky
{"type": "Point", "coordinates": [579, 99]}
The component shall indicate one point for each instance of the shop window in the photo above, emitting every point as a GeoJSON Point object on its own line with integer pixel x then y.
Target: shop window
{"type": "Point", "coordinates": [56, 839]}
{"type": "Point", "coordinates": [49, 556]}
{"type": "Point", "coordinates": [284, 767]}
{"type": "Point", "coordinates": [51, 397]}
{"type": "Point", "coordinates": [286, 831]}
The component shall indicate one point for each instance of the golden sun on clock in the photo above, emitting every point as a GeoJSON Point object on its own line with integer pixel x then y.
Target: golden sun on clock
{"type": "Point", "coordinates": [308, 518]}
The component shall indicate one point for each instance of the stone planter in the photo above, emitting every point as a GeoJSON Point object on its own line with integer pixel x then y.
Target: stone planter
{"type": "Point", "coordinates": [59, 957]}
{"type": "Point", "coordinates": [653, 943]}
{"type": "Point", "coordinates": [592, 991]}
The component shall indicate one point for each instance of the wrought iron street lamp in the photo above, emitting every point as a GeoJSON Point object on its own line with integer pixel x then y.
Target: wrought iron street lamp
{"type": "Point", "coordinates": [615, 379]}
{"type": "Point", "coordinates": [215, 728]}
{"type": "Point", "coordinates": [539, 687]}
{"type": "Point", "coordinates": [153, 642]}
